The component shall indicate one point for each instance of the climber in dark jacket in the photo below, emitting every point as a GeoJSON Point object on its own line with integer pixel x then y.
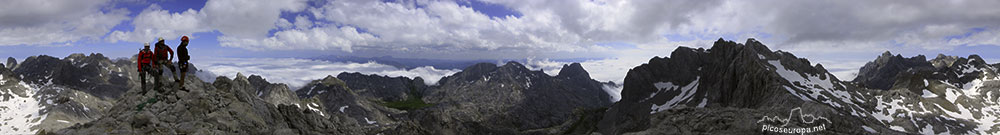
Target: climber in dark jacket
{"type": "Point", "coordinates": [145, 61]}
{"type": "Point", "coordinates": [182, 62]}
{"type": "Point", "coordinates": [160, 58]}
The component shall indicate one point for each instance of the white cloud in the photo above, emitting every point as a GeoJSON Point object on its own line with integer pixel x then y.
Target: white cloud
{"type": "Point", "coordinates": [854, 25]}
{"type": "Point", "coordinates": [283, 24]}
{"type": "Point", "coordinates": [239, 19]}
{"type": "Point", "coordinates": [303, 22]}
{"type": "Point", "coordinates": [551, 68]}
{"type": "Point", "coordinates": [985, 37]}
{"type": "Point", "coordinates": [155, 22]}
{"type": "Point", "coordinates": [443, 27]}
{"type": "Point", "coordinates": [322, 38]}
{"type": "Point", "coordinates": [31, 22]}
{"type": "Point", "coordinates": [298, 72]}
{"type": "Point", "coordinates": [845, 70]}
{"type": "Point", "coordinates": [248, 18]}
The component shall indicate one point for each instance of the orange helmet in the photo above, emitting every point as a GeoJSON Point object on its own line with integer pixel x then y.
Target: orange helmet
{"type": "Point", "coordinates": [184, 38]}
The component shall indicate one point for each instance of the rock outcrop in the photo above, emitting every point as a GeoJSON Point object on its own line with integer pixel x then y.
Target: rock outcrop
{"type": "Point", "coordinates": [333, 96]}
{"type": "Point", "coordinates": [272, 93]}
{"type": "Point", "coordinates": [11, 63]}
{"type": "Point", "coordinates": [223, 107]}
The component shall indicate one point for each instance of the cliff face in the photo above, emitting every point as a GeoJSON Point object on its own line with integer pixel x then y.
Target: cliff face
{"type": "Point", "coordinates": [736, 88]}
{"type": "Point", "coordinates": [729, 75]}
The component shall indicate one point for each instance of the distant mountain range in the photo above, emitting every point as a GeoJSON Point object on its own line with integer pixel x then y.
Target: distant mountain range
{"type": "Point", "coordinates": [730, 88]}
{"type": "Point", "coordinates": [410, 63]}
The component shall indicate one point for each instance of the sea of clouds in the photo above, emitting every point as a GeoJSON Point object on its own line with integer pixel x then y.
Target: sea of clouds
{"type": "Point", "coordinates": [298, 72]}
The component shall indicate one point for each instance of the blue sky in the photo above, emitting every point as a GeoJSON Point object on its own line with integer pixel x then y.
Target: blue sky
{"type": "Point", "coordinates": [842, 35]}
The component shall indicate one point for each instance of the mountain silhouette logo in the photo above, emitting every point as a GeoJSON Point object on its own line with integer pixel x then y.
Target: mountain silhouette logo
{"type": "Point", "coordinates": [820, 122]}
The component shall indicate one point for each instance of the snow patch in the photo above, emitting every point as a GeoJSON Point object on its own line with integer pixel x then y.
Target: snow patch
{"type": "Point", "coordinates": [314, 107]}
{"type": "Point", "coordinates": [343, 107]}
{"type": "Point", "coordinates": [869, 129]}
{"type": "Point", "coordinates": [704, 101]}
{"type": "Point", "coordinates": [687, 92]}
{"type": "Point", "coordinates": [928, 94]}
{"type": "Point", "coordinates": [369, 121]}
{"type": "Point", "coordinates": [20, 113]}
{"type": "Point", "coordinates": [898, 128]}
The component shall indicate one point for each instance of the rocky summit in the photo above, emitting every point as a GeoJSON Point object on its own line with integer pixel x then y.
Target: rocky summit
{"type": "Point", "coordinates": [746, 88]}
{"type": "Point", "coordinates": [222, 107]}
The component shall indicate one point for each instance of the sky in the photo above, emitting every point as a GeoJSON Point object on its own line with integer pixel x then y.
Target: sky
{"type": "Point", "coordinates": [617, 34]}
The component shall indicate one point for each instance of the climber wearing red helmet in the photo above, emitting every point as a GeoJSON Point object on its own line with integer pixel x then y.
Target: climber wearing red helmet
{"type": "Point", "coordinates": [182, 62]}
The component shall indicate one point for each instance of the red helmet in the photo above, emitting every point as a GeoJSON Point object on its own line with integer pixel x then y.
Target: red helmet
{"type": "Point", "coordinates": [184, 38]}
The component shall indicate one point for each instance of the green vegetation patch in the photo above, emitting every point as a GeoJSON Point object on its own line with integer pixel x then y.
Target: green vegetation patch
{"type": "Point", "coordinates": [143, 105]}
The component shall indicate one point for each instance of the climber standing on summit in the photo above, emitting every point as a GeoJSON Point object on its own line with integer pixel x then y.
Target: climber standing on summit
{"type": "Point", "coordinates": [145, 59]}
{"type": "Point", "coordinates": [182, 62]}
{"type": "Point", "coordinates": [160, 58]}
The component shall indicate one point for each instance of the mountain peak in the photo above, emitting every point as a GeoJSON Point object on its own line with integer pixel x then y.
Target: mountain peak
{"type": "Point", "coordinates": [329, 80]}
{"type": "Point", "coordinates": [886, 54]}
{"type": "Point", "coordinates": [11, 63]}
{"type": "Point", "coordinates": [481, 67]}
{"type": "Point", "coordinates": [513, 65]}
{"type": "Point", "coordinates": [942, 61]}
{"type": "Point", "coordinates": [976, 60]}
{"type": "Point", "coordinates": [573, 70]}
{"type": "Point", "coordinates": [240, 76]}
{"type": "Point", "coordinates": [881, 73]}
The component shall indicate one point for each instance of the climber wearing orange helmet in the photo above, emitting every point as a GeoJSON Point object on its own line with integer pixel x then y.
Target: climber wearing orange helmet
{"type": "Point", "coordinates": [182, 62]}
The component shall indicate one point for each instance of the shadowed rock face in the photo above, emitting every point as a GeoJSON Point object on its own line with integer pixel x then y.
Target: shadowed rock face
{"type": "Point", "coordinates": [880, 74]}
{"type": "Point", "coordinates": [727, 75]}
{"type": "Point", "coordinates": [93, 74]}
{"type": "Point", "coordinates": [729, 88]}
{"type": "Point", "coordinates": [383, 87]}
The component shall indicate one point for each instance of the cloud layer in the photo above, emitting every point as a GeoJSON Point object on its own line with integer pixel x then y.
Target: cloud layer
{"type": "Point", "coordinates": [48, 22]}
{"type": "Point", "coordinates": [298, 72]}
{"type": "Point", "coordinates": [543, 29]}
{"type": "Point", "coordinates": [625, 32]}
